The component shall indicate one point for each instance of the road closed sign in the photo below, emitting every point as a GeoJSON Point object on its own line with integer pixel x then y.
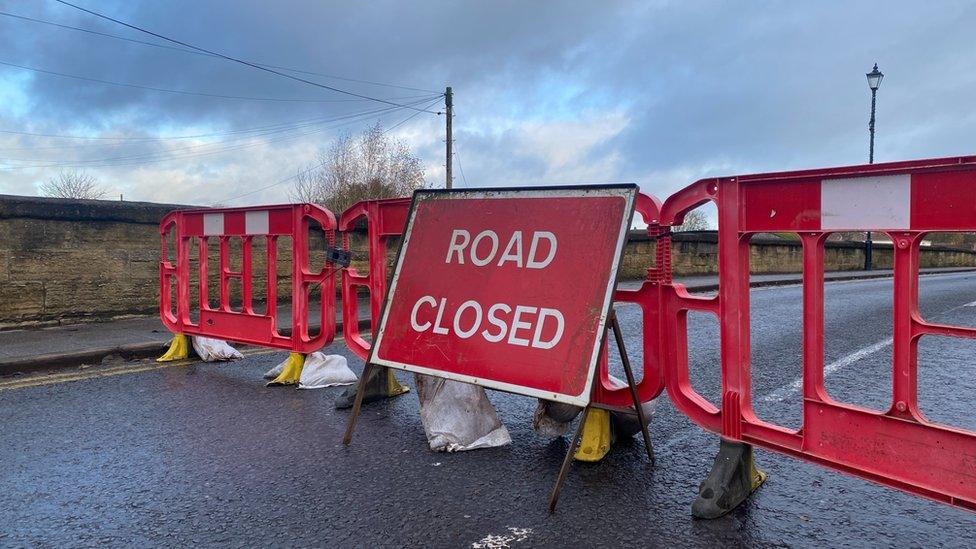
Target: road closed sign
{"type": "Point", "coordinates": [506, 288]}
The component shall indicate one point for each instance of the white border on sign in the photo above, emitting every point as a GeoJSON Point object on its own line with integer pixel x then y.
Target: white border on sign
{"type": "Point", "coordinates": [628, 193]}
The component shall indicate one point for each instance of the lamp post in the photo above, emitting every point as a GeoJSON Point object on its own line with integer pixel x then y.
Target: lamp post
{"type": "Point", "coordinates": [874, 82]}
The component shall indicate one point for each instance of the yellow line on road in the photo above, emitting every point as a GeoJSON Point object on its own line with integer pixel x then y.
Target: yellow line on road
{"type": "Point", "coordinates": [67, 377]}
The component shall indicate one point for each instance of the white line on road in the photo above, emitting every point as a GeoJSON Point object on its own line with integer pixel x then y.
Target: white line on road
{"type": "Point", "coordinates": [796, 385]}
{"type": "Point", "coordinates": [787, 390]}
{"type": "Point", "coordinates": [790, 389]}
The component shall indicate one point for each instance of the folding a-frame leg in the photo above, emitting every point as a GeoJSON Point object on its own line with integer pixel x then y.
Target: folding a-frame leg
{"type": "Point", "coordinates": [632, 384]}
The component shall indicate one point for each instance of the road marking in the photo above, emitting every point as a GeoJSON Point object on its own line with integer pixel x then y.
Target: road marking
{"type": "Point", "coordinates": [496, 541]}
{"type": "Point", "coordinates": [796, 386]}
{"type": "Point", "coordinates": [37, 381]}
{"type": "Point", "coordinates": [790, 389]}
{"type": "Point", "coordinates": [787, 390]}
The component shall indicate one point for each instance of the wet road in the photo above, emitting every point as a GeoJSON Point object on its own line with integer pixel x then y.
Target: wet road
{"type": "Point", "coordinates": [135, 454]}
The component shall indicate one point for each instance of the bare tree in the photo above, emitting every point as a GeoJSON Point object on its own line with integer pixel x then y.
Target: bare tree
{"type": "Point", "coordinates": [695, 220]}
{"type": "Point", "coordinates": [73, 184]}
{"type": "Point", "coordinates": [353, 169]}
{"type": "Point", "coordinates": [306, 188]}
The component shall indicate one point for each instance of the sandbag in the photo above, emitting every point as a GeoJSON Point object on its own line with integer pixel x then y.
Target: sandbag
{"type": "Point", "coordinates": [276, 371]}
{"type": "Point", "coordinates": [322, 370]}
{"type": "Point", "coordinates": [627, 425]}
{"type": "Point", "coordinates": [211, 350]}
{"type": "Point", "coordinates": [458, 416]}
{"type": "Point", "coordinates": [553, 419]}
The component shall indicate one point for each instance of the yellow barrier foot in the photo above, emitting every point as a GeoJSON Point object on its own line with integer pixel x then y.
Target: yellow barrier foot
{"type": "Point", "coordinates": [733, 477]}
{"type": "Point", "coordinates": [382, 383]}
{"type": "Point", "coordinates": [393, 386]}
{"type": "Point", "coordinates": [179, 349]}
{"type": "Point", "coordinates": [597, 436]}
{"type": "Point", "coordinates": [291, 373]}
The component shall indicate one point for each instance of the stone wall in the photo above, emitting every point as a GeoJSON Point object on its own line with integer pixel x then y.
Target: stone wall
{"type": "Point", "coordinates": [70, 260]}
{"type": "Point", "coordinates": [696, 253]}
{"type": "Point", "coordinates": [67, 260]}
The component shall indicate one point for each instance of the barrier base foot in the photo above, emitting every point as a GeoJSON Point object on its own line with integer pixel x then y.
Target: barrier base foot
{"type": "Point", "coordinates": [381, 384]}
{"type": "Point", "coordinates": [596, 440]}
{"type": "Point", "coordinates": [291, 373]}
{"type": "Point", "coordinates": [603, 429]}
{"type": "Point", "coordinates": [733, 477]}
{"type": "Point", "coordinates": [179, 349]}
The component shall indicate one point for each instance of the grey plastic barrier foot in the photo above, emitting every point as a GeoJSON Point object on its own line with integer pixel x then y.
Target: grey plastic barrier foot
{"type": "Point", "coordinates": [733, 477]}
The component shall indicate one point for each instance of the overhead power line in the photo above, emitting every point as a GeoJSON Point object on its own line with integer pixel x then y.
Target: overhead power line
{"type": "Point", "coordinates": [457, 155]}
{"type": "Point", "coordinates": [243, 137]}
{"type": "Point", "coordinates": [240, 61]}
{"type": "Point", "coordinates": [194, 52]}
{"type": "Point", "coordinates": [150, 158]}
{"type": "Point", "coordinates": [179, 92]}
{"type": "Point", "coordinates": [196, 151]}
{"type": "Point", "coordinates": [316, 166]}
{"type": "Point", "coordinates": [460, 167]}
{"type": "Point", "coordinates": [295, 123]}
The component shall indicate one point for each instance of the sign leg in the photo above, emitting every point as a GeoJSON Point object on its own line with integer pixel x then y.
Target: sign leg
{"type": "Point", "coordinates": [625, 360]}
{"type": "Point", "coordinates": [567, 462]}
{"type": "Point", "coordinates": [357, 406]}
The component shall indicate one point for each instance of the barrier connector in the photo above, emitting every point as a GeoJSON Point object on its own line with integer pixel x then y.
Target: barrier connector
{"type": "Point", "coordinates": [380, 384]}
{"type": "Point", "coordinates": [291, 373]}
{"type": "Point", "coordinates": [338, 256]}
{"type": "Point", "coordinates": [179, 349]}
{"type": "Point", "coordinates": [733, 477]}
{"type": "Point", "coordinates": [597, 436]}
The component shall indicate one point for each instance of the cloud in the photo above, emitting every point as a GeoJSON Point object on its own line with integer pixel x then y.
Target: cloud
{"type": "Point", "coordinates": [660, 93]}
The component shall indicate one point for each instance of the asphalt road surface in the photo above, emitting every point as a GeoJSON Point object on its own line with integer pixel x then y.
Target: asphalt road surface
{"type": "Point", "coordinates": [140, 454]}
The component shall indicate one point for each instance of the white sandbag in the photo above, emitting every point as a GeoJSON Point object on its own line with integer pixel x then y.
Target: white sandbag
{"type": "Point", "coordinates": [276, 371]}
{"type": "Point", "coordinates": [458, 416]}
{"type": "Point", "coordinates": [553, 419]}
{"type": "Point", "coordinates": [321, 370]}
{"type": "Point", "coordinates": [210, 350]}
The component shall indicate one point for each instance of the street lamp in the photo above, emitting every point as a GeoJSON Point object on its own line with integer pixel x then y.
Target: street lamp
{"type": "Point", "coordinates": [874, 82]}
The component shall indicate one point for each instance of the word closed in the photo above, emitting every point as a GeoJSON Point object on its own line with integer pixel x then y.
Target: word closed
{"type": "Point", "coordinates": [506, 288]}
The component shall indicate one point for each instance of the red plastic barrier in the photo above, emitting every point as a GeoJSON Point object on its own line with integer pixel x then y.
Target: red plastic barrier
{"type": "Point", "coordinates": [897, 447]}
{"type": "Point", "coordinates": [244, 325]}
{"type": "Point", "coordinates": [384, 219]}
{"type": "Point", "coordinates": [615, 393]}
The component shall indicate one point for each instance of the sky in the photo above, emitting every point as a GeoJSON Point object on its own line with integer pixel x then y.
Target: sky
{"type": "Point", "coordinates": [656, 93]}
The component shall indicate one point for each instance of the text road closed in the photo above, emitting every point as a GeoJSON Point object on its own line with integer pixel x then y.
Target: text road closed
{"type": "Point", "coordinates": [507, 289]}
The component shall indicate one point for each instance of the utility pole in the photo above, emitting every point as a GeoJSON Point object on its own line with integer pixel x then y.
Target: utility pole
{"type": "Point", "coordinates": [449, 111]}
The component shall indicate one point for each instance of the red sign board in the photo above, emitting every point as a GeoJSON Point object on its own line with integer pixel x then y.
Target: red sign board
{"type": "Point", "coordinates": [506, 288]}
